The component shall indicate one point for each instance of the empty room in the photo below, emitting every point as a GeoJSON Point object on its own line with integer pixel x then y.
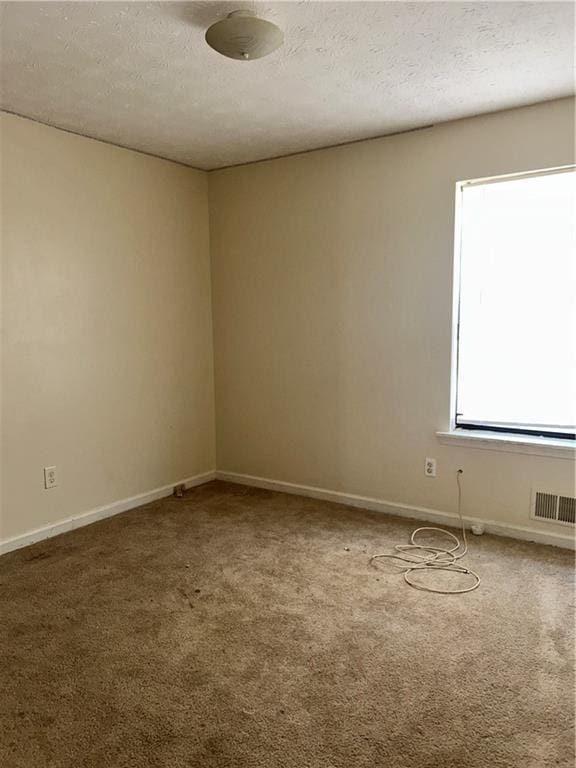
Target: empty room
{"type": "Point", "coordinates": [287, 384]}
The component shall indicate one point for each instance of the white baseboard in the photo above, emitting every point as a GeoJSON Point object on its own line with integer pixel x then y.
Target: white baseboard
{"type": "Point", "coordinates": [348, 499]}
{"type": "Point", "coordinates": [404, 510]}
{"type": "Point", "coordinates": [93, 515]}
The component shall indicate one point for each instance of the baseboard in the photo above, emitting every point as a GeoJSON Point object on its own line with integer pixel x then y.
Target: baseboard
{"type": "Point", "coordinates": [351, 500]}
{"type": "Point", "coordinates": [93, 515]}
{"type": "Point", "coordinates": [404, 510]}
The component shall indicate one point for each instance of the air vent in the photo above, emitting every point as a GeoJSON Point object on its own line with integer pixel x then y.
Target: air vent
{"type": "Point", "coordinates": [553, 507]}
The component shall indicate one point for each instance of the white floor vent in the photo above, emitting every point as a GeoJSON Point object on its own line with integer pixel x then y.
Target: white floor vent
{"type": "Point", "coordinates": [553, 508]}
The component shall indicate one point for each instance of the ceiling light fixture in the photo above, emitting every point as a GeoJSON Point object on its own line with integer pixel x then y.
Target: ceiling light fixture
{"type": "Point", "coordinates": [242, 35]}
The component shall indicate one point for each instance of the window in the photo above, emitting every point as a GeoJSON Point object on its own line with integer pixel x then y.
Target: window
{"type": "Point", "coordinates": [516, 314]}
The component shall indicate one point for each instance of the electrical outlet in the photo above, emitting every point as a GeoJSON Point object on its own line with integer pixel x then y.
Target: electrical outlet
{"type": "Point", "coordinates": [50, 477]}
{"type": "Point", "coordinates": [430, 468]}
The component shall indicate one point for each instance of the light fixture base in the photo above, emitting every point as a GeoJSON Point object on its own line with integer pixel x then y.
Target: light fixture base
{"type": "Point", "coordinates": [243, 36]}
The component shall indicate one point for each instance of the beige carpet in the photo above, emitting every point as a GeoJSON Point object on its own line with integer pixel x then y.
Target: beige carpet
{"type": "Point", "coordinates": [245, 628]}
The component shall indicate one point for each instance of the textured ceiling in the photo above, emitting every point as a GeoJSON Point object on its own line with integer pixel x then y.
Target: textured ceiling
{"type": "Point", "coordinates": [140, 74]}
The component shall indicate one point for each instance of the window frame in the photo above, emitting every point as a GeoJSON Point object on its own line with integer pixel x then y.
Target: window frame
{"type": "Point", "coordinates": [463, 427]}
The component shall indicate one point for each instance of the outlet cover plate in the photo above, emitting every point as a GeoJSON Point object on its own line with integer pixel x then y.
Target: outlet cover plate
{"type": "Point", "coordinates": [50, 478]}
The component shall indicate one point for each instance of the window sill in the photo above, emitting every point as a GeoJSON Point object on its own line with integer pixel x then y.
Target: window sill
{"type": "Point", "coordinates": [500, 441]}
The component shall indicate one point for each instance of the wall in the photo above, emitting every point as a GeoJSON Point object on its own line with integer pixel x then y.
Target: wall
{"type": "Point", "coordinates": [332, 290]}
{"type": "Point", "coordinates": [107, 367]}
{"type": "Point", "coordinates": [332, 275]}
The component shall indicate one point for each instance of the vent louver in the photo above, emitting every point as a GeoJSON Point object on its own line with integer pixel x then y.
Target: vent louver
{"type": "Point", "coordinates": [566, 510]}
{"type": "Point", "coordinates": [553, 508]}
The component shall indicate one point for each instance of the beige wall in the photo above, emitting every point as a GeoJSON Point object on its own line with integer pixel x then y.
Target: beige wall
{"type": "Point", "coordinates": [332, 285]}
{"type": "Point", "coordinates": [331, 280]}
{"type": "Point", "coordinates": [107, 366]}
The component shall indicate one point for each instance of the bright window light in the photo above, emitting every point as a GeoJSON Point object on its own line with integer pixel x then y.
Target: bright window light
{"type": "Point", "coordinates": [516, 335]}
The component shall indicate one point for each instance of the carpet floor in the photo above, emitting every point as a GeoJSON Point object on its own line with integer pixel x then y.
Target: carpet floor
{"type": "Point", "coordinates": [241, 628]}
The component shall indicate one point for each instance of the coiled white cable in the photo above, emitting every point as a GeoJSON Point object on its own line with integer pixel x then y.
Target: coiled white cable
{"type": "Point", "coordinates": [420, 557]}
